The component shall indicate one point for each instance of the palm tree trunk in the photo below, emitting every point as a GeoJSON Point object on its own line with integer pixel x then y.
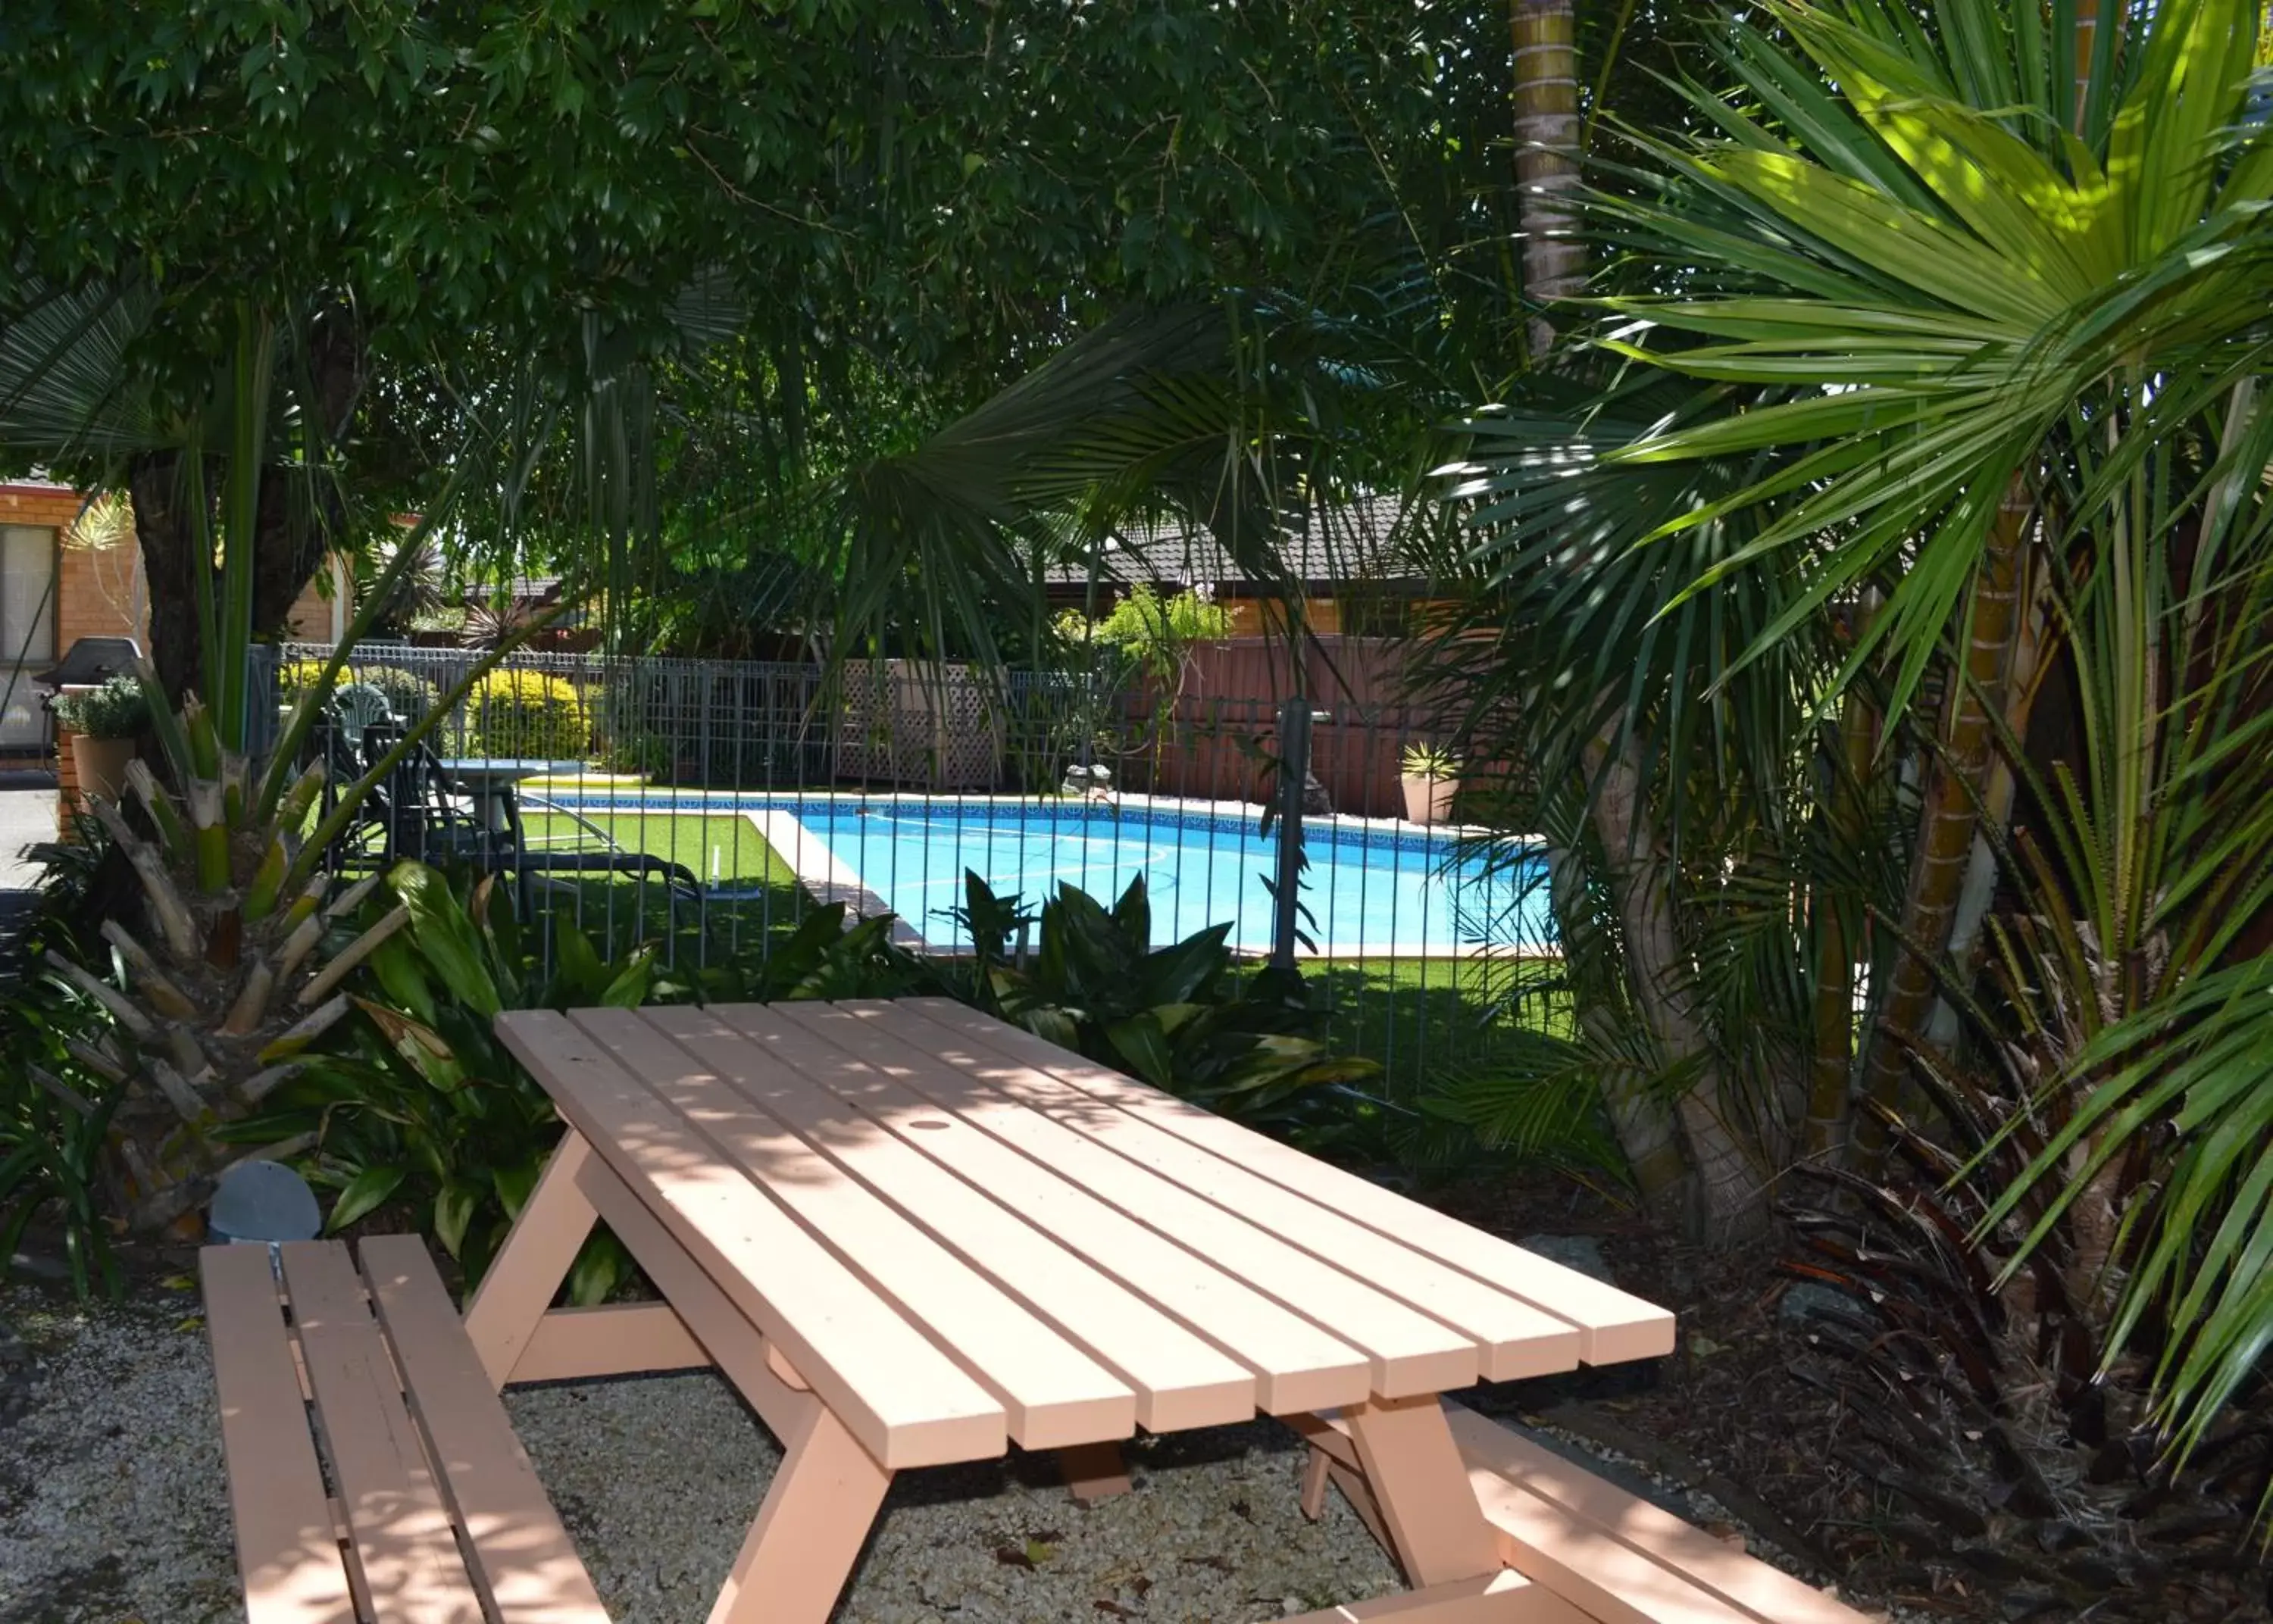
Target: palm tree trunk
{"type": "Point", "coordinates": [2086, 41]}
{"type": "Point", "coordinates": [1955, 788]}
{"type": "Point", "coordinates": [1547, 156]}
{"type": "Point", "coordinates": [1547, 133]}
{"type": "Point", "coordinates": [1646, 1133]}
{"type": "Point", "coordinates": [1728, 1188]}
{"type": "Point", "coordinates": [1823, 1136]}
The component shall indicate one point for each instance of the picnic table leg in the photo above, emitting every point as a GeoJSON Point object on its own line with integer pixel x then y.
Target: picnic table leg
{"type": "Point", "coordinates": [1329, 1467]}
{"type": "Point", "coordinates": [537, 1254]}
{"type": "Point", "coordinates": [1421, 1487]}
{"type": "Point", "coordinates": [809, 1531]}
{"type": "Point", "coordinates": [1314, 1478]}
{"type": "Point", "coordinates": [1093, 1472]}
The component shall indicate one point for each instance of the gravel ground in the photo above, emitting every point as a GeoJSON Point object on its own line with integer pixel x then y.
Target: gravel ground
{"type": "Point", "coordinates": [113, 1506]}
{"type": "Point", "coordinates": [112, 1503]}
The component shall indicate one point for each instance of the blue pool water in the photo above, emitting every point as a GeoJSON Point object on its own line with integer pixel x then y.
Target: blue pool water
{"type": "Point", "coordinates": [1369, 891]}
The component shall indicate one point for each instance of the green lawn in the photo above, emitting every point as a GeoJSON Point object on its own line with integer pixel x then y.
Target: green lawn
{"type": "Point", "coordinates": [751, 893]}
{"type": "Point", "coordinates": [724, 852]}
{"type": "Point", "coordinates": [1413, 1015]}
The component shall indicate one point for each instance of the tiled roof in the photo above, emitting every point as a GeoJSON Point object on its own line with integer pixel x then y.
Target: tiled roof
{"type": "Point", "coordinates": [1361, 542]}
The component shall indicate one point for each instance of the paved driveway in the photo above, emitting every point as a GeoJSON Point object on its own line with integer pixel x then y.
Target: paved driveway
{"type": "Point", "coordinates": [27, 813]}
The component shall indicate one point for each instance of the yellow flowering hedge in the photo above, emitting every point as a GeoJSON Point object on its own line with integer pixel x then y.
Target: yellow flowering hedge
{"type": "Point", "coordinates": [409, 695]}
{"type": "Point", "coordinates": [528, 713]}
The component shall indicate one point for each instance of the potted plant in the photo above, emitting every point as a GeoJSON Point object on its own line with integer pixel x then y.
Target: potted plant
{"type": "Point", "coordinates": [103, 722]}
{"type": "Point", "coordinates": [1430, 775]}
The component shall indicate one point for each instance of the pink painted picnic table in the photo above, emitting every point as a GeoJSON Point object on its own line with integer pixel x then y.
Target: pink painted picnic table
{"type": "Point", "coordinates": [912, 1235]}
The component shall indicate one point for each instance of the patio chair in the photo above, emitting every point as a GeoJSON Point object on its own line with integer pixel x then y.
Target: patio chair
{"type": "Point", "coordinates": [337, 739]}
{"type": "Point", "coordinates": [427, 817]}
{"type": "Point", "coordinates": [357, 706]}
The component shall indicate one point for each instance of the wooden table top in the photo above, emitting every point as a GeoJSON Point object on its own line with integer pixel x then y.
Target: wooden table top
{"type": "Point", "coordinates": [960, 1233]}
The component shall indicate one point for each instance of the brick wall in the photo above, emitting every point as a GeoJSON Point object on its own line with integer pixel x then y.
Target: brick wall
{"type": "Point", "coordinates": [96, 595]}
{"type": "Point", "coordinates": [310, 616]}
{"type": "Point", "coordinates": [95, 592]}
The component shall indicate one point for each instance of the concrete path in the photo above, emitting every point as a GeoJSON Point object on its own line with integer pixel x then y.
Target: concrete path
{"type": "Point", "coordinates": [27, 814]}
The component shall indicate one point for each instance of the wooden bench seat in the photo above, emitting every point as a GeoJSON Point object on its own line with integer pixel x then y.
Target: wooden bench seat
{"type": "Point", "coordinates": [373, 1476]}
{"type": "Point", "coordinates": [1615, 1557]}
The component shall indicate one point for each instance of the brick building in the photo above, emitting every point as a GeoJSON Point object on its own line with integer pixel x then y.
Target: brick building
{"type": "Point", "coordinates": [57, 584]}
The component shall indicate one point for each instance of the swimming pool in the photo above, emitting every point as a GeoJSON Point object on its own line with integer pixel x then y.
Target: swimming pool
{"type": "Point", "coordinates": [1370, 890]}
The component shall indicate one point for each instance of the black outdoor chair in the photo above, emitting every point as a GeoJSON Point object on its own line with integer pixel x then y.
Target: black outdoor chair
{"type": "Point", "coordinates": [361, 847]}
{"type": "Point", "coordinates": [424, 816]}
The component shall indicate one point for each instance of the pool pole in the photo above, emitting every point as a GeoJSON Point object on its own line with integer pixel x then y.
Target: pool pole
{"type": "Point", "coordinates": [1294, 718]}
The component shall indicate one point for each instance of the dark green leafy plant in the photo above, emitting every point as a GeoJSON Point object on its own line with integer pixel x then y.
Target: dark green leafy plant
{"type": "Point", "coordinates": [55, 1109]}
{"type": "Point", "coordinates": [116, 709]}
{"type": "Point", "coordinates": [1183, 1018]}
{"type": "Point", "coordinates": [824, 959]}
{"type": "Point", "coordinates": [55, 1120]}
{"type": "Point", "coordinates": [418, 1105]}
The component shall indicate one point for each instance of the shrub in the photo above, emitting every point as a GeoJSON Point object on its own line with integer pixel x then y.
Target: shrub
{"type": "Point", "coordinates": [1147, 631]}
{"type": "Point", "coordinates": [1182, 1018]}
{"type": "Point", "coordinates": [527, 714]}
{"type": "Point", "coordinates": [294, 677]}
{"type": "Point", "coordinates": [116, 709]}
{"type": "Point", "coordinates": [419, 1104]}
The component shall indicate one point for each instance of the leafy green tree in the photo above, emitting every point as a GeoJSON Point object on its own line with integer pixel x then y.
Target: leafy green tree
{"type": "Point", "coordinates": [884, 211]}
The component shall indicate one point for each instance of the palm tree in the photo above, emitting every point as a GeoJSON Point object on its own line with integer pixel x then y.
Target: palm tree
{"type": "Point", "coordinates": [1547, 156]}
{"type": "Point", "coordinates": [1987, 292]}
{"type": "Point", "coordinates": [239, 960]}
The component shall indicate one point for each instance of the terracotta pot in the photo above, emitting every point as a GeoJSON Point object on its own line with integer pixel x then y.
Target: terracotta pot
{"type": "Point", "coordinates": [101, 764]}
{"type": "Point", "coordinates": [1428, 800]}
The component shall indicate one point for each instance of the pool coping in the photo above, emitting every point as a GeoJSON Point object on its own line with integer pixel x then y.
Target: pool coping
{"type": "Point", "coordinates": [827, 878]}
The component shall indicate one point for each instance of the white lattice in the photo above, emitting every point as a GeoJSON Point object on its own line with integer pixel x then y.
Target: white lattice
{"type": "Point", "coordinates": [912, 722]}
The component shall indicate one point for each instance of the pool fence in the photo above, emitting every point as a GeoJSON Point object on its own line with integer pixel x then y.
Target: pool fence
{"type": "Point", "coordinates": [1270, 793]}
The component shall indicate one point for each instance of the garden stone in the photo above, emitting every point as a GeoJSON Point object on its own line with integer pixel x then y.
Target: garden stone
{"type": "Point", "coordinates": [1807, 1301]}
{"type": "Point", "coordinates": [263, 1200]}
{"type": "Point", "coordinates": [1583, 1252]}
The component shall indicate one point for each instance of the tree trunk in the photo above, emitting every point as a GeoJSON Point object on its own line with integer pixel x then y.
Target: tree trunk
{"type": "Point", "coordinates": [299, 519]}
{"type": "Point", "coordinates": [170, 560]}
{"type": "Point", "coordinates": [1823, 1138]}
{"type": "Point", "coordinates": [1547, 133]}
{"type": "Point", "coordinates": [2086, 41]}
{"type": "Point", "coordinates": [1646, 1133]}
{"type": "Point", "coordinates": [1547, 156]}
{"type": "Point", "coordinates": [1728, 1188]}
{"type": "Point", "coordinates": [1954, 787]}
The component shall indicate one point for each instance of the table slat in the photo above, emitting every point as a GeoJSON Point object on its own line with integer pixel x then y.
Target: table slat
{"type": "Point", "coordinates": [1054, 1394]}
{"type": "Point", "coordinates": [906, 1402]}
{"type": "Point", "coordinates": [1409, 1352]}
{"type": "Point", "coordinates": [1613, 1325]}
{"type": "Point", "coordinates": [1179, 1379]}
{"type": "Point", "coordinates": [1516, 1339]}
{"type": "Point", "coordinates": [1293, 1360]}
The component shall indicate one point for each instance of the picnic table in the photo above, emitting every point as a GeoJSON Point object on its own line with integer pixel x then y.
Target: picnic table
{"type": "Point", "coordinates": [912, 1235]}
